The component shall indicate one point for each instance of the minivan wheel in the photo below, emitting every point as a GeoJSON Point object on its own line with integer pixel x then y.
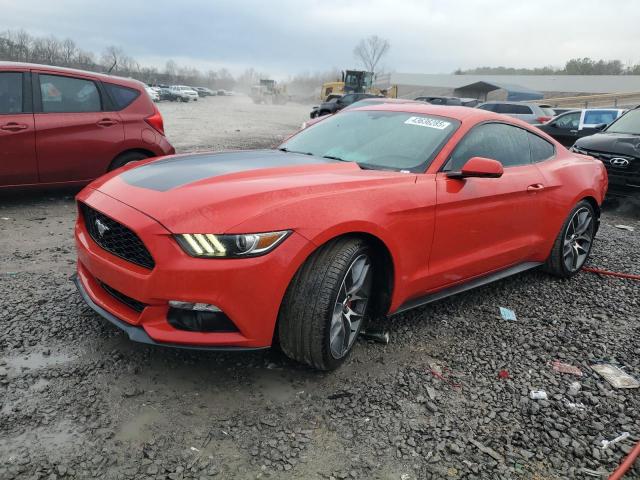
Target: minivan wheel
{"type": "Point", "coordinates": [573, 244]}
{"type": "Point", "coordinates": [327, 303]}
{"type": "Point", "coordinates": [126, 158]}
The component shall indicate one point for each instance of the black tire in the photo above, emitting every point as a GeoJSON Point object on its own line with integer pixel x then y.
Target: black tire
{"type": "Point", "coordinates": [307, 310]}
{"type": "Point", "coordinates": [127, 157]}
{"type": "Point", "coordinates": [556, 264]}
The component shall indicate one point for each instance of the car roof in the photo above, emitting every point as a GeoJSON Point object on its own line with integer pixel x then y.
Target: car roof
{"type": "Point", "coordinates": [72, 71]}
{"type": "Point", "coordinates": [513, 102]}
{"type": "Point", "coordinates": [455, 112]}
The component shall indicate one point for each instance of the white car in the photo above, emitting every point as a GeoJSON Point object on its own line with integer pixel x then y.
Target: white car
{"type": "Point", "coordinates": [153, 94]}
{"type": "Point", "coordinates": [184, 93]}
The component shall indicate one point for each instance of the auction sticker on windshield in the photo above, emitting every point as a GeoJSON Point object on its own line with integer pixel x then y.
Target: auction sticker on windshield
{"type": "Point", "coordinates": [427, 122]}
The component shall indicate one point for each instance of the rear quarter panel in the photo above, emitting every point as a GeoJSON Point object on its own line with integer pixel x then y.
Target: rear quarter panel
{"type": "Point", "coordinates": [569, 178]}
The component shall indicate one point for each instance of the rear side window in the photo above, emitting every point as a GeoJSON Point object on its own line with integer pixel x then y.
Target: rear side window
{"type": "Point", "coordinates": [513, 109]}
{"type": "Point", "coordinates": [597, 117]}
{"type": "Point", "coordinates": [10, 92]}
{"type": "Point", "coordinates": [498, 141]}
{"type": "Point", "coordinates": [540, 149]}
{"type": "Point", "coordinates": [121, 96]}
{"type": "Point", "coordinates": [491, 107]}
{"type": "Point", "coordinates": [68, 95]}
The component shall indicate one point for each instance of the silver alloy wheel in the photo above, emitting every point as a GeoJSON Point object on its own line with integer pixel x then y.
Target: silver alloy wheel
{"type": "Point", "coordinates": [350, 306]}
{"type": "Point", "coordinates": [577, 239]}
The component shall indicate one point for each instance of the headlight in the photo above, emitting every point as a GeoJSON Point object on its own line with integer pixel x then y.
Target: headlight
{"type": "Point", "coordinates": [207, 245]}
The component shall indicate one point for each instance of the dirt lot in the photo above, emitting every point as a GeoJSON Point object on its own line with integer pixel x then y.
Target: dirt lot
{"type": "Point", "coordinates": [78, 400]}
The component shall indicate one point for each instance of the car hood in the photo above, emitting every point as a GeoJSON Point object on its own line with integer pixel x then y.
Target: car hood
{"type": "Point", "coordinates": [623, 144]}
{"type": "Point", "coordinates": [214, 192]}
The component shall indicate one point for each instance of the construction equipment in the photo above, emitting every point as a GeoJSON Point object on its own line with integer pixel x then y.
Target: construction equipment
{"type": "Point", "coordinates": [268, 91]}
{"type": "Point", "coordinates": [355, 81]}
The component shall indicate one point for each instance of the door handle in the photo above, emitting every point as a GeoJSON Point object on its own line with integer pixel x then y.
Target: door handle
{"type": "Point", "coordinates": [573, 131]}
{"type": "Point", "coordinates": [536, 187]}
{"type": "Point", "coordinates": [107, 122]}
{"type": "Point", "coordinates": [14, 127]}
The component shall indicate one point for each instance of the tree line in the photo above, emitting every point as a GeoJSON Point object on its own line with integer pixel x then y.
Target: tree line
{"type": "Point", "coordinates": [575, 66]}
{"type": "Point", "coordinates": [20, 46]}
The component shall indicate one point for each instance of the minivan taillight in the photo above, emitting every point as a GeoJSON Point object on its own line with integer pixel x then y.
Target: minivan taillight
{"type": "Point", "coordinates": [156, 121]}
{"type": "Point", "coordinates": [543, 119]}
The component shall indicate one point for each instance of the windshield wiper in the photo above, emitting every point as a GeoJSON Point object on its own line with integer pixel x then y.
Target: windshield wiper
{"type": "Point", "coordinates": [332, 157]}
{"type": "Point", "coordinates": [285, 149]}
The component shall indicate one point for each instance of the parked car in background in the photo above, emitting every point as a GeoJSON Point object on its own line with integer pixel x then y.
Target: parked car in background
{"type": "Point", "coordinates": [316, 108]}
{"type": "Point", "coordinates": [470, 102]}
{"type": "Point", "coordinates": [338, 102]}
{"type": "Point", "coordinates": [203, 91]}
{"type": "Point", "coordinates": [618, 147]}
{"type": "Point", "coordinates": [184, 93]}
{"type": "Point", "coordinates": [221, 93]}
{"type": "Point", "coordinates": [369, 213]}
{"type": "Point", "coordinates": [360, 103]}
{"type": "Point", "coordinates": [575, 124]}
{"type": "Point", "coordinates": [439, 100]}
{"type": "Point", "coordinates": [72, 126]}
{"type": "Point", "coordinates": [166, 93]}
{"type": "Point", "coordinates": [559, 111]}
{"type": "Point", "coordinates": [153, 93]}
{"type": "Point", "coordinates": [527, 112]}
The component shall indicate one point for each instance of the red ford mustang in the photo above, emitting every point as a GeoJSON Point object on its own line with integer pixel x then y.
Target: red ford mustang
{"type": "Point", "coordinates": [366, 214]}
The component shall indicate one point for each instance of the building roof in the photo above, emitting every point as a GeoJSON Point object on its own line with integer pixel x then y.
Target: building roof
{"type": "Point", "coordinates": [539, 83]}
{"type": "Point", "coordinates": [514, 92]}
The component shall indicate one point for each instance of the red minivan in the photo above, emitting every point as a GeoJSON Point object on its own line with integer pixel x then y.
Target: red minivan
{"type": "Point", "coordinates": [67, 127]}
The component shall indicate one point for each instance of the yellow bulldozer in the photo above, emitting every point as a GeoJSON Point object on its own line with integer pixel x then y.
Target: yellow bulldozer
{"type": "Point", "coordinates": [354, 81]}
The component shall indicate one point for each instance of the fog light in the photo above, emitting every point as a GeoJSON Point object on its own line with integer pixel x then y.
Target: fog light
{"type": "Point", "coordinates": [197, 307]}
{"type": "Point", "coordinates": [198, 317]}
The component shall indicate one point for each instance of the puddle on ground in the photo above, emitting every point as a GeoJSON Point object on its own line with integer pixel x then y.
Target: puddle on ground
{"type": "Point", "coordinates": [35, 361]}
{"type": "Point", "coordinates": [51, 439]}
{"type": "Point", "coordinates": [138, 429]}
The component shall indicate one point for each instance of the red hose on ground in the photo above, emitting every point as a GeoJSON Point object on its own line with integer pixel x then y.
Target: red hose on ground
{"type": "Point", "coordinates": [626, 464]}
{"type": "Point", "coordinates": [612, 274]}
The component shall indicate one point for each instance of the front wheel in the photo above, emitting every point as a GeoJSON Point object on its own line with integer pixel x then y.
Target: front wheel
{"type": "Point", "coordinates": [326, 304]}
{"type": "Point", "coordinates": [573, 244]}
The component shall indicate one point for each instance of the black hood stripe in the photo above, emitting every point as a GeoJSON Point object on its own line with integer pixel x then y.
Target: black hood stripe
{"type": "Point", "coordinates": [163, 175]}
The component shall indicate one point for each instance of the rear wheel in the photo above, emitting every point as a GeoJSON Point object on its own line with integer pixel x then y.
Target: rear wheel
{"type": "Point", "coordinates": [573, 244]}
{"type": "Point", "coordinates": [326, 304]}
{"type": "Point", "coordinates": [126, 158]}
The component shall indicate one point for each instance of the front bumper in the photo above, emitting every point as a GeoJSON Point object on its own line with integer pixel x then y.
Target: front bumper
{"type": "Point", "coordinates": [248, 290]}
{"type": "Point", "coordinates": [623, 184]}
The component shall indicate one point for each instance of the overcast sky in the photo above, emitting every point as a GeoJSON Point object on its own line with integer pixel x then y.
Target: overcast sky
{"type": "Point", "coordinates": [292, 36]}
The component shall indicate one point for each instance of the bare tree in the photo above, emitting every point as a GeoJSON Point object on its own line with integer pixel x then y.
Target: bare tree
{"type": "Point", "coordinates": [111, 57]}
{"type": "Point", "coordinates": [370, 51]}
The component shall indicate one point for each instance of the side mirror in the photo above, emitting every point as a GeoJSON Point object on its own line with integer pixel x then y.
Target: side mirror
{"type": "Point", "coordinates": [479, 167]}
{"type": "Point", "coordinates": [553, 125]}
{"type": "Point", "coordinates": [600, 126]}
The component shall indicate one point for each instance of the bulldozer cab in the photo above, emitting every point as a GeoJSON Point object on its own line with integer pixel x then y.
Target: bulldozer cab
{"type": "Point", "coordinates": [268, 85]}
{"type": "Point", "coordinates": [357, 81]}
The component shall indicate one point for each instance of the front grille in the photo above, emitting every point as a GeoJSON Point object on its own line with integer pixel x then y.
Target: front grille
{"type": "Point", "coordinates": [132, 303]}
{"type": "Point", "coordinates": [116, 238]}
{"type": "Point", "coordinates": [607, 158]}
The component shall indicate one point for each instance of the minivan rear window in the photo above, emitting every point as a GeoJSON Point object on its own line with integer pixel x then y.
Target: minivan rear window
{"type": "Point", "coordinates": [121, 96]}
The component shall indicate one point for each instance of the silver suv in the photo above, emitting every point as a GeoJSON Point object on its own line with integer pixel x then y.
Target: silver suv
{"type": "Point", "coordinates": [528, 112]}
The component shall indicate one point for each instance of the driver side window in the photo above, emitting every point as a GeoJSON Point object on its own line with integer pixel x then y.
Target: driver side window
{"type": "Point", "coordinates": [569, 121]}
{"type": "Point", "coordinates": [497, 141]}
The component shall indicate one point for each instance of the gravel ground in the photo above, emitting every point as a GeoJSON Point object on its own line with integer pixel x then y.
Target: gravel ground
{"type": "Point", "coordinates": [78, 400]}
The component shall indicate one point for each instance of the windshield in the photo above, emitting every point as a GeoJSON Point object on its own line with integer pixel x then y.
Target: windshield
{"type": "Point", "coordinates": [363, 103]}
{"type": "Point", "coordinates": [627, 123]}
{"type": "Point", "coordinates": [377, 139]}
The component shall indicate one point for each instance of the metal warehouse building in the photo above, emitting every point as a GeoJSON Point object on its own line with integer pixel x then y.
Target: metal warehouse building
{"type": "Point", "coordinates": [507, 87]}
